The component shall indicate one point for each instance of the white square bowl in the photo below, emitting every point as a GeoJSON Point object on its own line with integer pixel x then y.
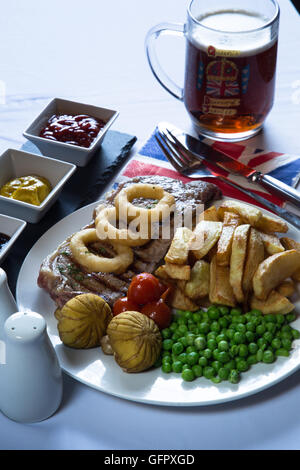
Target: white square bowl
{"type": "Point", "coordinates": [80, 156]}
{"type": "Point", "coordinates": [16, 163]}
{"type": "Point", "coordinates": [13, 228]}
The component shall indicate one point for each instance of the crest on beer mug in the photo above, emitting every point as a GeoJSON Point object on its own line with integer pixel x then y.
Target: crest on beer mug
{"type": "Point", "coordinates": [222, 78]}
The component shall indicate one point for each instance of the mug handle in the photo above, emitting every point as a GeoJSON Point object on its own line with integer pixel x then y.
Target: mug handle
{"type": "Point", "coordinates": [173, 29]}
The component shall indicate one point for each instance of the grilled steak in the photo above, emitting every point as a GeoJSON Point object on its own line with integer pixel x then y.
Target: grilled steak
{"type": "Point", "coordinates": [63, 278]}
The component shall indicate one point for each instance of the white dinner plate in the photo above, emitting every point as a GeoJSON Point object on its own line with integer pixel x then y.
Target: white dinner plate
{"type": "Point", "coordinates": [95, 369]}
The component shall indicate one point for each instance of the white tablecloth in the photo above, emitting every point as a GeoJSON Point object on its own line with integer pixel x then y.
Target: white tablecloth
{"type": "Point", "coordinates": [93, 51]}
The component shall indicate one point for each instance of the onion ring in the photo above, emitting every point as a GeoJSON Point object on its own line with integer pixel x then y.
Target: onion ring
{"type": "Point", "coordinates": [96, 263]}
{"type": "Point", "coordinates": [124, 236]}
{"type": "Point", "coordinates": [148, 191]}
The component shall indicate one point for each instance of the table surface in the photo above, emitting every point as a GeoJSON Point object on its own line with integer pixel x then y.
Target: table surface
{"type": "Point", "coordinates": [93, 51]}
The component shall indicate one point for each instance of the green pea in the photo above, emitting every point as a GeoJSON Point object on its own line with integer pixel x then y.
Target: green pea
{"type": "Point", "coordinates": [259, 355]}
{"type": "Point", "coordinates": [216, 365]}
{"type": "Point", "coordinates": [188, 375]}
{"type": "Point", "coordinates": [235, 311]}
{"type": "Point", "coordinates": [295, 333]}
{"type": "Point", "coordinates": [211, 344]}
{"type": "Point", "coordinates": [223, 345]}
{"type": "Point", "coordinates": [276, 343]}
{"type": "Point", "coordinates": [185, 366]}
{"type": "Point", "coordinates": [230, 333]}
{"type": "Point", "coordinates": [166, 333]}
{"type": "Point", "coordinates": [222, 337]}
{"type": "Point", "coordinates": [252, 359]}
{"type": "Point", "coordinates": [224, 310]}
{"type": "Point", "coordinates": [183, 341]}
{"type": "Point", "coordinates": [200, 343]}
{"type": "Point", "coordinates": [229, 365]}
{"type": "Point", "coordinates": [280, 319]}
{"type": "Point", "coordinates": [188, 315]}
{"type": "Point", "coordinates": [291, 317]}
{"type": "Point", "coordinates": [234, 376]}
{"type": "Point", "coordinates": [173, 327]}
{"type": "Point", "coordinates": [204, 327]}
{"type": "Point", "coordinates": [211, 335]}
{"type": "Point", "coordinates": [166, 353]}
{"type": "Point", "coordinates": [190, 338]}
{"type": "Point", "coordinates": [215, 327]}
{"type": "Point", "coordinates": [216, 353]}
{"type": "Point", "coordinates": [190, 349]}
{"type": "Point", "coordinates": [253, 348]}
{"type": "Point", "coordinates": [207, 353]}
{"type": "Point", "coordinates": [202, 361]}
{"type": "Point", "coordinates": [216, 380]}
{"type": "Point", "coordinates": [166, 359]}
{"type": "Point", "coordinates": [234, 350]}
{"type": "Point", "coordinates": [271, 327]}
{"type": "Point", "coordinates": [286, 335]}
{"type": "Point", "coordinates": [182, 358]}
{"type": "Point", "coordinates": [270, 318]}
{"type": "Point", "coordinates": [242, 365]}
{"type": "Point", "coordinates": [223, 373]}
{"type": "Point", "coordinates": [192, 358]}
{"type": "Point", "coordinates": [197, 369]}
{"type": "Point", "coordinates": [286, 343]}
{"type": "Point", "coordinates": [241, 319]}
{"type": "Point", "coordinates": [238, 338]}
{"type": "Point", "coordinates": [260, 329]}
{"type": "Point", "coordinates": [255, 312]}
{"type": "Point", "coordinates": [268, 357]}
{"type": "Point", "coordinates": [177, 367]}
{"type": "Point", "coordinates": [209, 372]}
{"type": "Point", "coordinates": [268, 336]}
{"type": "Point", "coordinates": [213, 313]}
{"type": "Point", "coordinates": [250, 326]}
{"type": "Point", "coordinates": [282, 352]}
{"type": "Point", "coordinates": [167, 344]}
{"type": "Point", "coordinates": [196, 317]}
{"type": "Point", "coordinates": [243, 350]}
{"type": "Point", "coordinates": [250, 336]}
{"type": "Point", "coordinates": [223, 357]}
{"type": "Point", "coordinates": [182, 329]}
{"type": "Point", "coordinates": [166, 367]}
{"type": "Point", "coordinates": [223, 322]}
{"type": "Point", "coordinates": [177, 348]}
{"type": "Point", "coordinates": [262, 344]}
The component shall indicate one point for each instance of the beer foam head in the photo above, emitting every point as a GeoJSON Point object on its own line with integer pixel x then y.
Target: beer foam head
{"type": "Point", "coordinates": [233, 30]}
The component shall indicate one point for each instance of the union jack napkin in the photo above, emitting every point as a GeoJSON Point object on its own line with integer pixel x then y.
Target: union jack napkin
{"type": "Point", "coordinates": [151, 161]}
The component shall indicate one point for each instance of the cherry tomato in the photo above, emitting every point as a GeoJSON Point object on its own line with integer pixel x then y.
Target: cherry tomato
{"type": "Point", "coordinates": [159, 312]}
{"type": "Point", "coordinates": [123, 305]}
{"type": "Point", "coordinates": [144, 288]}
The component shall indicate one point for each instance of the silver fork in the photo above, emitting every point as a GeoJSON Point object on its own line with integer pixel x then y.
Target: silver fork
{"type": "Point", "coordinates": [186, 163]}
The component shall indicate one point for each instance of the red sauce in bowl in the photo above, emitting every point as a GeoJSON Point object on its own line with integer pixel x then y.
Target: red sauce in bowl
{"type": "Point", "coordinates": [80, 130]}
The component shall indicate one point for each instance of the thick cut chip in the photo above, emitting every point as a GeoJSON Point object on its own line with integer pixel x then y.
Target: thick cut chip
{"type": "Point", "coordinates": [210, 214]}
{"type": "Point", "coordinates": [230, 223]}
{"type": "Point", "coordinates": [273, 270]}
{"type": "Point", "coordinates": [249, 214]}
{"type": "Point", "coordinates": [220, 290]}
{"type": "Point", "coordinates": [176, 271]}
{"type": "Point", "coordinates": [161, 273]}
{"type": "Point", "coordinates": [269, 224]}
{"type": "Point", "coordinates": [255, 255]}
{"type": "Point", "coordinates": [198, 285]}
{"type": "Point", "coordinates": [271, 243]}
{"type": "Point", "coordinates": [286, 288]}
{"type": "Point", "coordinates": [180, 301]}
{"type": "Point", "coordinates": [207, 234]}
{"type": "Point", "coordinates": [290, 244]}
{"type": "Point", "coordinates": [237, 260]}
{"type": "Point", "coordinates": [275, 303]}
{"type": "Point", "coordinates": [179, 249]}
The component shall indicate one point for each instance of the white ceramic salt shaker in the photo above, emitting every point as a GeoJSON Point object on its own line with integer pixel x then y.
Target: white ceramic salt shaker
{"type": "Point", "coordinates": [7, 302]}
{"type": "Point", "coordinates": [31, 378]}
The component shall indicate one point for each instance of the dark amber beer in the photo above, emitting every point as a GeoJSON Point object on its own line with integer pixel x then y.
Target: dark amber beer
{"type": "Point", "coordinates": [230, 65]}
{"type": "Point", "coordinates": [229, 88]}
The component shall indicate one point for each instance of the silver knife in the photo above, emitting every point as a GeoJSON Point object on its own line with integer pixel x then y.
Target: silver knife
{"type": "Point", "coordinates": [223, 161]}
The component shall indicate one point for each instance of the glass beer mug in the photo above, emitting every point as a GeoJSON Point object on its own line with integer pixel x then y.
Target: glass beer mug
{"type": "Point", "coordinates": [230, 65]}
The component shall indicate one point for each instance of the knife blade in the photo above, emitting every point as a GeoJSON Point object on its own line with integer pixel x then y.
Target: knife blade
{"type": "Point", "coordinates": [207, 153]}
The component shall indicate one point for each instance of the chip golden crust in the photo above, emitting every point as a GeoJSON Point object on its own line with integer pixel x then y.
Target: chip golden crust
{"type": "Point", "coordinates": [237, 260]}
{"type": "Point", "coordinates": [179, 249]}
{"type": "Point", "coordinates": [230, 223]}
{"type": "Point", "coordinates": [255, 255]}
{"type": "Point", "coordinates": [275, 303]}
{"type": "Point", "coordinates": [220, 290]}
{"type": "Point", "coordinates": [273, 271]}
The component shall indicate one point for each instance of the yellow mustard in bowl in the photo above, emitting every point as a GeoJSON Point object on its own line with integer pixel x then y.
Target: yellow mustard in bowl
{"type": "Point", "coordinates": [32, 189]}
